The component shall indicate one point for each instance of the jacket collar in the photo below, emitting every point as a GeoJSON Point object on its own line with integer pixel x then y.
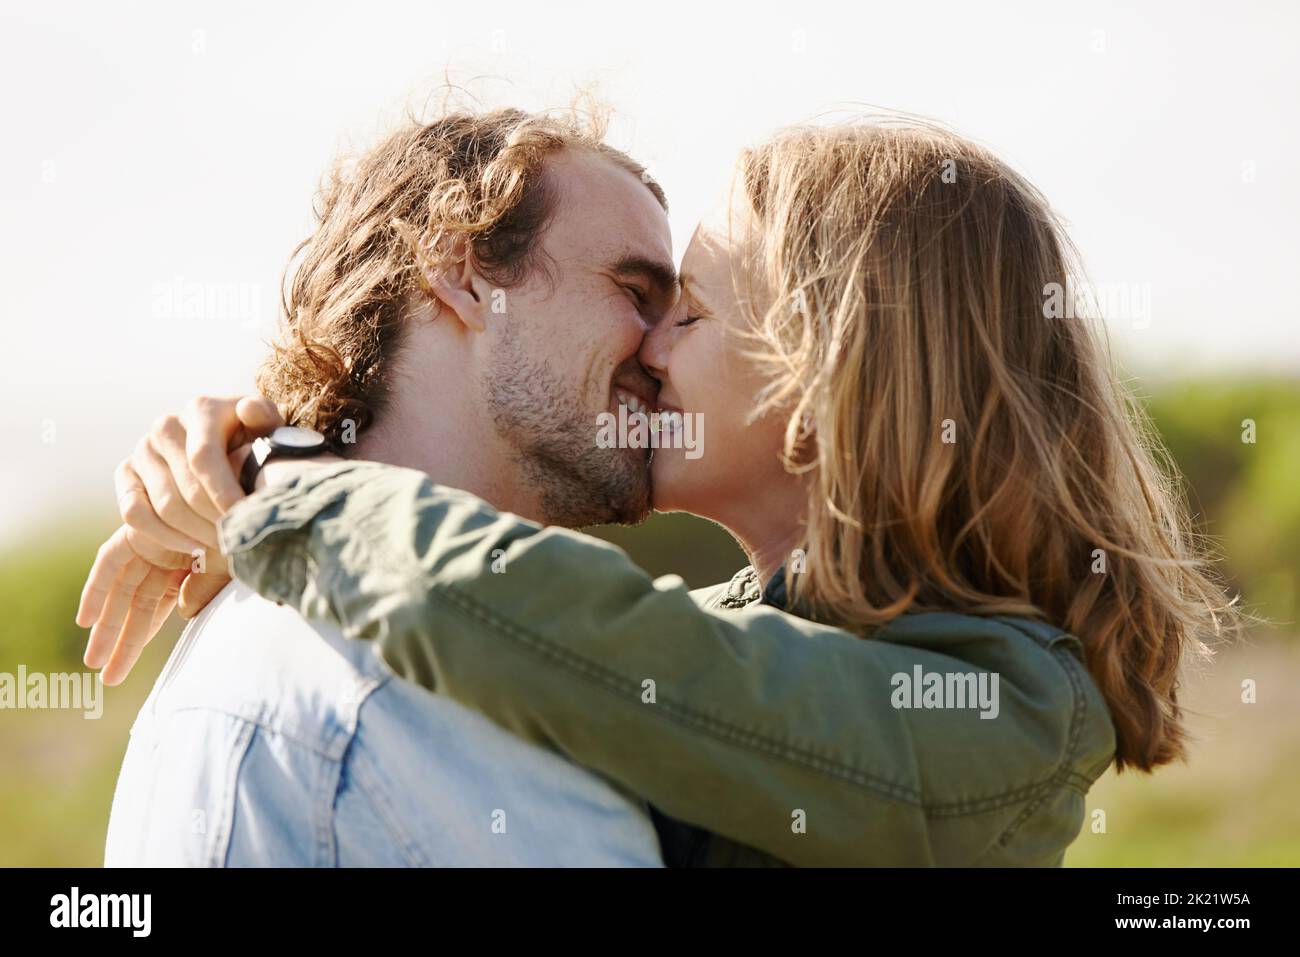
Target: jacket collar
{"type": "Point", "coordinates": [743, 590]}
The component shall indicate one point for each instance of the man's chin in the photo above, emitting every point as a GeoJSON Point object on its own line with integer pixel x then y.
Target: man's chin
{"type": "Point", "coordinates": [613, 490]}
{"type": "Point", "coordinates": [631, 501]}
{"type": "Point", "coordinates": [631, 513]}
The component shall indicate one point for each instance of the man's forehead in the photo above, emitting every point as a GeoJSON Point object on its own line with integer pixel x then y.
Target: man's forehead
{"type": "Point", "coordinates": [606, 210]}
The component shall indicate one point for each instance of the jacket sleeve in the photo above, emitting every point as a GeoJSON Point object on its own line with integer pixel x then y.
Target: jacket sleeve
{"type": "Point", "coordinates": [763, 727]}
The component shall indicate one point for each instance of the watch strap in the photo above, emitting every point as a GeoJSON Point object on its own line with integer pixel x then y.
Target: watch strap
{"type": "Point", "coordinates": [253, 463]}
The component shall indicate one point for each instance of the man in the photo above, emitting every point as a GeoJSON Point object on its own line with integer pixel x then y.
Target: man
{"type": "Point", "coordinates": [474, 295]}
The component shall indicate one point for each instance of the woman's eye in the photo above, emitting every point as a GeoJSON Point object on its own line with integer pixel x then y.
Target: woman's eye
{"type": "Point", "coordinates": [689, 320]}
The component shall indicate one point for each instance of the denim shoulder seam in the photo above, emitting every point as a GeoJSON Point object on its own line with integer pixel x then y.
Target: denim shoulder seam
{"type": "Point", "coordinates": [257, 717]}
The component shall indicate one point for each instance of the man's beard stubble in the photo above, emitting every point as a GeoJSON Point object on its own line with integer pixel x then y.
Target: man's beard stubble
{"type": "Point", "coordinates": [555, 435]}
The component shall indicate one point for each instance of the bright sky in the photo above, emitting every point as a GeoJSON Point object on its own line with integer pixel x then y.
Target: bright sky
{"type": "Point", "coordinates": [149, 146]}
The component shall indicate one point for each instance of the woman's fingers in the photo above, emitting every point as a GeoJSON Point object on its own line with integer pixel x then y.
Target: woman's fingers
{"type": "Point", "coordinates": [168, 439]}
{"type": "Point", "coordinates": [171, 492]}
{"type": "Point", "coordinates": [133, 501]}
{"type": "Point", "coordinates": [105, 577]}
{"type": "Point", "coordinates": [168, 603]}
{"type": "Point", "coordinates": [198, 590]}
{"type": "Point", "coordinates": [212, 428]}
{"type": "Point", "coordinates": [137, 624]}
{"type": "Point", "coordinates": [111, 558]}
{"type": "Point", "coordinates": [126, 600]}
{"type": "Point", "coordinates": [166, 500]}
{"type": "Point", "coordinates": [103, 636]}
{"type": "Point", "coordinates": [156, 555]}
{"type": "Point", "coordinates": [258, 415]}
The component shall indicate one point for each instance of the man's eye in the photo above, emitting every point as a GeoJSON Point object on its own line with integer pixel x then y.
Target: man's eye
{"type": "Point", "coordinates": [689, 320]}
{"type": "Point", "coordinates": [637, 294]}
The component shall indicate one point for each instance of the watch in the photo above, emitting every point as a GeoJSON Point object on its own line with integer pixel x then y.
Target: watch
{"type": "Point", "coordinates": [286, 442]}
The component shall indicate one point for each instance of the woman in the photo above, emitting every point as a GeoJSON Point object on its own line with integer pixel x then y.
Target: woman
{"type": "Point", "coordinates": [907, 448]}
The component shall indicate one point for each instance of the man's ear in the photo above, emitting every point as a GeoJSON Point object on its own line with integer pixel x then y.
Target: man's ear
{"type": "Point", "coordinates": [461, 288]}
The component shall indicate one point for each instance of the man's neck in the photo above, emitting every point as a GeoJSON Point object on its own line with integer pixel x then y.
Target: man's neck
{"type": "Point", "coordinates": [453, 450]}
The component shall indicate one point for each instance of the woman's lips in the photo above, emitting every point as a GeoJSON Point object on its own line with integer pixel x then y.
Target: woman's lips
{"type": "Point", "coordinates": [666, 407]}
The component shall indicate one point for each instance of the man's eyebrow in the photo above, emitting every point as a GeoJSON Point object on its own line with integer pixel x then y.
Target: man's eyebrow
{"type": "Point", "coordinates": [661, 274]}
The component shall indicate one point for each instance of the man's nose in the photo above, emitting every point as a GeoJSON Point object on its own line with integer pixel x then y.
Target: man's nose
{"type": "Point", "coordinates": [656, 345]}
{"type": "Point", "coordinates": [653, 353]}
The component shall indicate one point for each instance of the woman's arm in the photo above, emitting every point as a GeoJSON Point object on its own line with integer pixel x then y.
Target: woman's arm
{"type": "Point", "coordinates": [757, 725]}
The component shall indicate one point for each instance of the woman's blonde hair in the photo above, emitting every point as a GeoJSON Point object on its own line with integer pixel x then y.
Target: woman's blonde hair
{"type": "Point", "coordinates": [968, 453]}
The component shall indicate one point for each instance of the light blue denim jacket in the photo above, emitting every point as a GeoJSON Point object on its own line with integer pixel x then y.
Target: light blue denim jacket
{"type": "Point", "coordinates": [268, 741]}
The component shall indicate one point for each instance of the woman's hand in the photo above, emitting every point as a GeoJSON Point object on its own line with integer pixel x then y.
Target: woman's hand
{"type": "Point", "coordinates": [181, 478]}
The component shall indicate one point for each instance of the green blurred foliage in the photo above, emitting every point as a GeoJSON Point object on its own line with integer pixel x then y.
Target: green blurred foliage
{"type": "Point", "coordinates": [1244, 495]}
{"type": "Point", "coordinates": [58, 769]}
{"type": "Point", "coordinates": [40, 585]}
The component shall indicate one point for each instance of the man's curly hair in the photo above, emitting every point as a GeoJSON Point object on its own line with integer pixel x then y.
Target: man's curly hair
{"type": "Point", "coordinates": [385, 222]}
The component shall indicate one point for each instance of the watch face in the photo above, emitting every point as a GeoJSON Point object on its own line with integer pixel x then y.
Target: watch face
{"type": "Point", "coordinates": [294, 437]}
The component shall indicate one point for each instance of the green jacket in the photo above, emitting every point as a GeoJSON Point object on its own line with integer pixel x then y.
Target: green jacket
{"type": "Point", "coordinates": [783, 738]}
